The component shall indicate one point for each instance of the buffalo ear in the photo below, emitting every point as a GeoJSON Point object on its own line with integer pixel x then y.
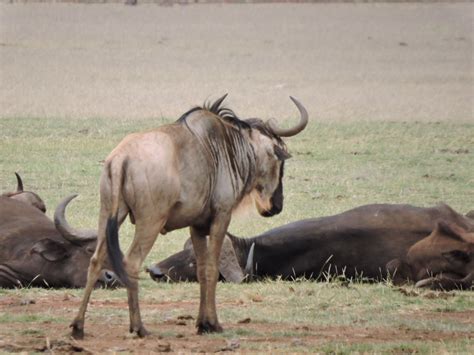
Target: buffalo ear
{"type": "Point", "coordinates": [452, 230]}
{"type": "Point", "coordinates": [50, 250]}
{"type": "Point", "coordinates": [188, 244]}
{"type": "Point", "coordinates": [229, 266]}
{"type": "Point", "coordinates": [470, 214]}
{"type": "Point", "coordinates": [457, 256]}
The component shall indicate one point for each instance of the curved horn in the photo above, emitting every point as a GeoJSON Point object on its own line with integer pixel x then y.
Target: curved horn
{"type": "Point", "coordinates": [217, 104]}
{"type": "Point", "coordinates": [70, 234]}
{"type": "Point", "coordinates": [293, 130]}
{"type": "Point", "coordinates": [19, 186]}
{"type": "Point", "coordinates": [446, 283]}
{"type": "Point", "coordinates": [248, 272]}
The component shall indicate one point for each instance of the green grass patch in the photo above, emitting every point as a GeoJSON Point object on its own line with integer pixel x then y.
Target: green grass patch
{"type": "Point", "coordinates": [334, 167]}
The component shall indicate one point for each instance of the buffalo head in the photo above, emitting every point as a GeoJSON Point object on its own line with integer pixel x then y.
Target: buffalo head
{"type": "Point", "coordinates": [38, 252]}
{"type": "Point", "coordinates": [182, 265]}
{"type": "Point", "coordinates": [443, 260]}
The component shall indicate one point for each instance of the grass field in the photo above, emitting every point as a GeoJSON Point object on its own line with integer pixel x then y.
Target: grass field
{"type": "Point", "coordinates": [334, 167]}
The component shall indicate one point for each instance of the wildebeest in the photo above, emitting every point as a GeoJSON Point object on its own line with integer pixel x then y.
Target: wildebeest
{"type": "Point", "coordinates": [28, 197]}
{"type": "Point", "coordinates": [194, 172]}
{"type": "Point", "coordinates": [443, 260]}
{"type": "Point", "coordinates": [35, 251]}
{"type": "Point", "coordinates": [357, 243]}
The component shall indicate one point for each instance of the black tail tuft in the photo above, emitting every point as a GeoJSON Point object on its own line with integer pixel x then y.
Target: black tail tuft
{"type": "Point", "coordinates": [114, 252]}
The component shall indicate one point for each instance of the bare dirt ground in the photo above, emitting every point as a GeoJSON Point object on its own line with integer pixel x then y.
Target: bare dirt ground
{"type": "Point", "coordinates": [178, 334]}
{"type": "Point", "coordinates": [383, 61]}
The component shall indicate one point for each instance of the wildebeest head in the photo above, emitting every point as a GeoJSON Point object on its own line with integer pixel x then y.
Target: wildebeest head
{"type": "Point", "coordinates": [38, 252]}
{"type": "Point", "coordinates": [272, 153]}
{"type": "Point", "coordinates": [28, 197]}
{"type": "Point", "coordinates": [251, 151]}
{"type": "Point", "coordinates": [443, 260]}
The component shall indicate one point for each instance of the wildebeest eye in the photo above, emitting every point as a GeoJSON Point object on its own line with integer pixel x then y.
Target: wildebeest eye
{"type": "Point", "coordinates": [90, 250]}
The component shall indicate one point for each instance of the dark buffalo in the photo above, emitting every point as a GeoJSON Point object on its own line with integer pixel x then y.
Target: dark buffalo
{"type": "Point", "coordinates": [356, 243]}
{"type": "Point", "coordinates": [34, 251]}
{"type": "Point", "coordinates": [28, 197]}
{"type": "Point", "coordinates": [443, 260]}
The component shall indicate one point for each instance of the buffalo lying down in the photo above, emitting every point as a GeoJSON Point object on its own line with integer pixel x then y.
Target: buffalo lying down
{"type": "Point", "coordinates": [27, 197]}
{"type": "Point", "coordinates": [356, 243]}
{"type": "Point", "coordinates": [443, 260]}
{"type": "Point", "coordinates": [36, 252]}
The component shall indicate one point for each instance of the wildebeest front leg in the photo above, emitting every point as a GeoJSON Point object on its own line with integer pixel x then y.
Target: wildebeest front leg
{"type": "Point", "coordinates": [208, 258]}
{"type": "Point", "coordinates": [198, 237]}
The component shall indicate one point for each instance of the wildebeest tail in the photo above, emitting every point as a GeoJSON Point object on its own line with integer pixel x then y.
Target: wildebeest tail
{"type": "Point", "coordinates": [114, 252]}
{"type": "Point", "coordinates": [115, 173]}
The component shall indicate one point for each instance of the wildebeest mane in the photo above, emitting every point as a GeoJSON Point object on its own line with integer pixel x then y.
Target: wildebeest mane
{"type": "Point", "coordinates": [224, 145]}
{"type": "Point", "coordinates": [229, 116]}
{"type": "Point", "coordinates": [224, 113]}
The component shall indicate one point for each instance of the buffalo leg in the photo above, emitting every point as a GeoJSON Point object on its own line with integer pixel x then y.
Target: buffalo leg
{"type": "Point", "coordinates": [145, 236]}
{"type": "Point", "coordinates": [208, 321]}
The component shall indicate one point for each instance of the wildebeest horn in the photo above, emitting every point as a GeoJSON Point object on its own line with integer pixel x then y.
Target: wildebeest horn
{"type": "Point", "coordinates": [248, 272]}
{"type": "Point", "coordinates": [293, 130]}
{"type": "Point", "coordinates": [19, 187]}
{"type": "Point", "coordinates": [217, 104]}
{"type": "Point", "coordinates": [70, 234]}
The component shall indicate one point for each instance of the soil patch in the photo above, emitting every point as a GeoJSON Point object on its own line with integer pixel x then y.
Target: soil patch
{"type": "Point", "coordinates": [44, 327]}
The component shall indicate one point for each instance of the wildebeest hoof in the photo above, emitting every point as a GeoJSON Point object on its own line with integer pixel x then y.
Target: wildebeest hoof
{"type": "Point", "coordinates": [77, 330]}
{"type": "Point", "coordinates": [206, 327]}
{"type": "Point", "coordinates": [140, 331]}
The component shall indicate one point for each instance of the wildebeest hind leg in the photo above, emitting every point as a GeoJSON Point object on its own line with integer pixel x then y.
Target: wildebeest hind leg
{"type": "Point", "coordinates": [145, 236]}
{"type": "Point", "coordinates": [95, 266]}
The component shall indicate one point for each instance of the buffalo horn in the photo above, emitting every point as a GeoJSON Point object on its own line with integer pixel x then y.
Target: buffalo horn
{"type": "Point", "coordinates": [70, 234]}
{"type": "Point", "coordinates": [248, 272]}
{"type": "Point", "coordinates": [19, 186]}
{"type": "Point", "coordinates": [271, 123]}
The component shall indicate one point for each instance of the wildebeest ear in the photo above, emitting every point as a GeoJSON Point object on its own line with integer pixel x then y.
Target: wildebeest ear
{"type": "Point", "coordinates": [50, 250]}
{"type": "Point", "coordinates": [229, 266]}
{"type": "Point", "coordinates": [456, 256]}
{"type": "Point", "coordinates": [281, 153]}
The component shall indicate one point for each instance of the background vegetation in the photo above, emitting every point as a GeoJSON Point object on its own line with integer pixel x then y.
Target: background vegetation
{"type": "Point", "coordinates": [334, 167]}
